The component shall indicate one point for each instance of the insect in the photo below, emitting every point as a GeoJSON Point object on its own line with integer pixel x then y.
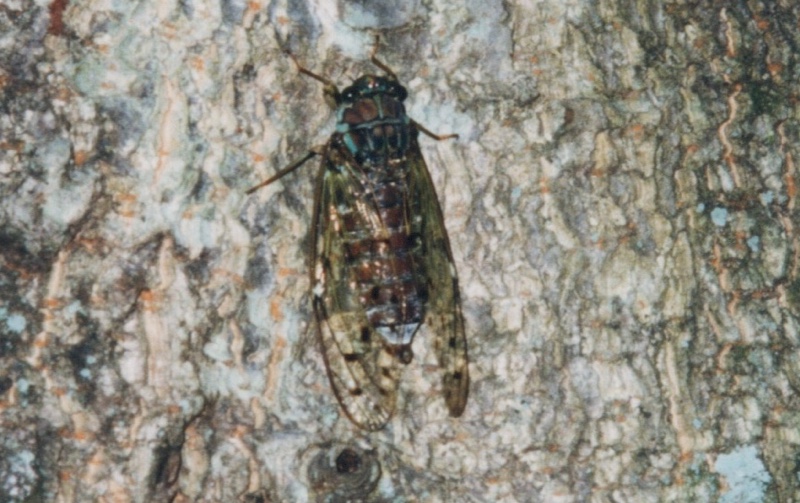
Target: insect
{"type": "Point", "coordinates": [381, 260]}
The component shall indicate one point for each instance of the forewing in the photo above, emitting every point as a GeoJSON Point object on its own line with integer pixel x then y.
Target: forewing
{"type": "Point", "coordinates": [443, 318]}
{"type": "Point", "coordinates": [362, 374]}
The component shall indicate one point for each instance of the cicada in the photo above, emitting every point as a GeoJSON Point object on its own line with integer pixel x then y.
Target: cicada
{"type": "Point", "coordinates": [381, 263]}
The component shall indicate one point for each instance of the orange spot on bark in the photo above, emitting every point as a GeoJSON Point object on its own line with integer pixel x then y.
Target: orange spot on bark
{"type": "Point", "coordinates": [56, 9]}
{"type": "Point", "coordinates": [740, 240]}
{"type": "Point", "coordinates": [544, 187]}
{"type": "Point", "coordinates": [126, 197]}
{"type": "Point", "coordinates": [286, 271]}
{"type": "Point", "coordinates": [275, 310]}
{"type": "Point", "coordinates": [16, 146]}
{"type": "Point", "coordinates": [198, 63]}
{"type": "Point", "coordinates": [51, 303]}
{"type": "Point", "coordinates": [80, 157]}
{"type": "Point", "coordinates": [791, 187]}
{"type": "Point", "coordinates": [774, 68]}
{"type": "Point", "coordinates": [150, 300]}
{"type": "Point", "coordinates": [636, 131]}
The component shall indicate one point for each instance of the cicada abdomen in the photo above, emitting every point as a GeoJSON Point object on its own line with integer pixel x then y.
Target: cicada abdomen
{"type": "Point", "coordinates": [381, 260]}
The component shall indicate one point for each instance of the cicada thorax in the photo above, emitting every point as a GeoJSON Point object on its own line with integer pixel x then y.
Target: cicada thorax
{"type": "Point", "coordinates": [372, 121]}
{"type": "Point", "coordinates": [382, 244]}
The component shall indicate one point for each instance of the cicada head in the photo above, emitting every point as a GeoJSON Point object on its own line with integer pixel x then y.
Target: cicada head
{"type": "Point", "coordinates": [371, 85]}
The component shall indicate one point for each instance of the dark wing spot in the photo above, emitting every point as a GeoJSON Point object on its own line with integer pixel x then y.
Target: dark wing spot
{"type": "Point", "coordinates": [366, 336]}
{"type": "Point", "coordinates": [350, 357]}
{"type": "Point", "coordinates": [338, 194]}
{"type": "Point", "coordinates": [405, 355]}
{"type": "Point", "coordinates": [414, 240]}
{"type": "Point", "coordinates": [356, 392]}
{"type": "Point", "coordinates": [452, 342]}
{"type": "Point", "coordinates": [457, 376]}
{"type": "Point", "coordinates": [386, 372]}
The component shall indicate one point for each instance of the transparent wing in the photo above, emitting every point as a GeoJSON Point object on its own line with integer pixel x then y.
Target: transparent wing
{"type": "Point", "coordinates": [362, 373]}
{"type": "Point", "coordinates": [443, 318]}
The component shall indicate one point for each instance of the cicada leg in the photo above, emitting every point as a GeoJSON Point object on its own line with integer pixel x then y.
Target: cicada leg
{"type": "Point", "coordinates": [288, 169]}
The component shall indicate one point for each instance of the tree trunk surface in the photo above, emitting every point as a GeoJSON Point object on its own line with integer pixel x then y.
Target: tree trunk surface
{"type": "Point", "coordinates": [622, 208]}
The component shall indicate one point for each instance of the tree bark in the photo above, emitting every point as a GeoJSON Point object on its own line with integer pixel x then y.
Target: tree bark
{"type": "Point", "coordinates": [621, 201]}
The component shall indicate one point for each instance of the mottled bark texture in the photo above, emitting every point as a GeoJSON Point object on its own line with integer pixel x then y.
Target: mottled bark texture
{"type": "Point", "coordinates": [622, 204]}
